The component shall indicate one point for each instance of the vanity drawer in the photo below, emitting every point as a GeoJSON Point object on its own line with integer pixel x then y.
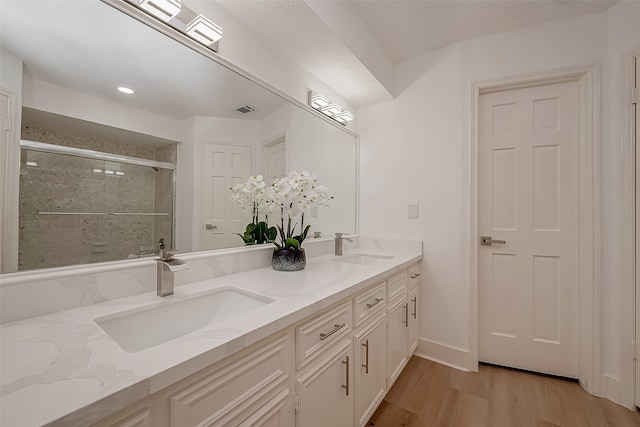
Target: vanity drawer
{"type": "Point", "coordinates": [397, 286]}
{"type": "Point", "coordinates": [414, 275]}
{"type": "Point", "coordinates": [315, 335]}
{"type": "Point", "coordinates": [368, 303]}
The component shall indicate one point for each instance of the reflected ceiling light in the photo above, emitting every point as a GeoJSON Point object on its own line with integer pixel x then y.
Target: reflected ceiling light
{"type": "Point", "coordinates": [97, 171]}
{"type": "Point", "coordinates": [163, 9]}
{"type": "Point", "coordinates": [126, 90]}
{"type": "Point", "coordinates": [331, 110]}
{"type": "Point", "coordinates": [204, 31]}
{"type": "Point", "coordinates": [108, 172]}
{"type": "Point", "coordinates": [30, 163]}
{"type": "Point", "coordinates": [317, 100]}
{"type": "Point", "coordinates": [321, 103]}
{"type": "Point", "coordinates": [119, 173]}
{"type": "Point", "coordinates": [343, 117]}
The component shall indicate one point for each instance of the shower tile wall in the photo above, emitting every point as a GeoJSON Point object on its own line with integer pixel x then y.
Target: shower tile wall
{"type": "Point", "coordinates": [61, 183]}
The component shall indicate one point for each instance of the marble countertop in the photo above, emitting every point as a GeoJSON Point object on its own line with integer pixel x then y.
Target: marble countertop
{"type": "Point", "coordinates": [64, 369]}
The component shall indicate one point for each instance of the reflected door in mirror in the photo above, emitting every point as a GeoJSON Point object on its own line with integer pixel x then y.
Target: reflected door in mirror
{"type": "Point", "coordinates": [224, 167]}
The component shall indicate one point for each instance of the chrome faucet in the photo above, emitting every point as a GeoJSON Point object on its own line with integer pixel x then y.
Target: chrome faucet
{"type": "Point", "coordinates": [167, 265]}
{"type": "Point", "coordinates": [339, 240]}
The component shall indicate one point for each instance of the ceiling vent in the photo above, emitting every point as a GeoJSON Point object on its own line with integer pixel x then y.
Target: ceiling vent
{"type": "Point", "coordinates": [246, 109]}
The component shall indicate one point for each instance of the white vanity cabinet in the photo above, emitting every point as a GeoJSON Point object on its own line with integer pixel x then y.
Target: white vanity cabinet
{"type": "Point", "coordinates": [325, 389]}
{"type": "Point", "coordinates": [330, 369]}
{"type": "Point", "coordinates": [414, 282]}
{"type": "Point", "coordinates": [402, 320]}
{"type": "Point", "coordinates": [397, 325]}
{"type": "Point", "coordinates": [231, 395]}
{"type": "Point", "coordinates": [254, 388]}
{"type": "Point", "coordinates": [369, 351]}
{"type": "Point", "coordinates": [324, 384]}
{"type": "Point", "coordinates": [370, 368]}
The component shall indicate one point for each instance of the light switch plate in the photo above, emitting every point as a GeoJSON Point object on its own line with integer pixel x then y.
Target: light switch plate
{"type": "Point", "coordinates": [414, 211]}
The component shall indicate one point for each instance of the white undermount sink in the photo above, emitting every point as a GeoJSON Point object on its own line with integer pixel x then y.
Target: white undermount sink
{"type": "Point", "coordinates": [144, 327]}
{"type": "Point", "coordinates": [364, 259]}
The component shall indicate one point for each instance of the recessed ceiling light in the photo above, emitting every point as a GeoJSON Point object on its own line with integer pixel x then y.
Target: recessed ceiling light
{"type": "Point", "coordinates": [125, 90]}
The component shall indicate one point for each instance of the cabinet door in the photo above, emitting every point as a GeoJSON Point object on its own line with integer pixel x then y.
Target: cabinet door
{"type": "Point", "coordinates": [413, 320]}
{"type": "Point", "coordinates": [276, 413]}
{"type": "Point", "coordinates": [397, 319]}
{"type": "Point", "coordinates": [369, 368]}
{"type": "Point", "coordinates": [324, 389]}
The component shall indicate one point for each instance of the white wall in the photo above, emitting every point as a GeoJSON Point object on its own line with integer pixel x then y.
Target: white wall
{"type": "Point", "coordinates": [618, 209]}
{"type": "Point", "coordinates": [416, 149]}
{"type": "Point", "coordinates": [325, 151]}
{"type": "Point", "coordinates": [45, 96]}
{"type": "Point", "coordinates": [244, 48]}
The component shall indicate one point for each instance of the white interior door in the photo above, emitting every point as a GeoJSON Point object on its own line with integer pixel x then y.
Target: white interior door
{"type": "Point", "coordinates": [9, 163]}
{"type": "Point", "coordinates": [275, 160]}
{"type": "Point", "coordinates": [224, 167]}
{"type": "Point", "coordinates": [528, 197]}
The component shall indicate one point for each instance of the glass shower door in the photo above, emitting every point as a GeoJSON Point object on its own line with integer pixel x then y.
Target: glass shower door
{"type": "Point", "coordinates": [75, 209]}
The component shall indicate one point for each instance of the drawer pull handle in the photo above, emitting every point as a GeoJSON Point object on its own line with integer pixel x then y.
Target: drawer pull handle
{"type": "Point", "coordinates": [366, 356]}
{"type": "Point", "coordinates": [406, 314]}
{"type": "Point", "coordinates": [415, 275]}
{"type": "Point", "coordinates": [346, 387]}
{"type": "Point", "coordinates": [333, 331]}
{"type": "Point", "coordinates": [376, 302]}
{"type": "Point", "coordinates": [415, 303]}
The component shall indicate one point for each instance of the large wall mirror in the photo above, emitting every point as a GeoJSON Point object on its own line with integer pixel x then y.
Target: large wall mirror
{"type": "Point", "coordinates": [106, 175]}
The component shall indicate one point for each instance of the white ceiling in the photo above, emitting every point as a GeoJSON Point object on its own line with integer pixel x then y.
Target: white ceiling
{"type": "Point", "coordinates": [315, 33]}
{"type": "Point", "coordinates": [407, 29]}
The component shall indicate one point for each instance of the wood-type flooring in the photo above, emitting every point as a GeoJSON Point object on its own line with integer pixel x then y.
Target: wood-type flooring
{"type": "Point", "coordinates": [428, 394]}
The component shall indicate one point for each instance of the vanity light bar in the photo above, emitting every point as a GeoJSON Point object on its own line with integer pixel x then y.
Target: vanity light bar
{"type": "Point", "coordinates": [204, 31]}
{"type": "Point", "coordinates": [343, 117]}
{"type": "Point", "coordinates": [331, 110]}
{"type": "Point", "coordinates": [317, 100]}
{"type": "Point", "coordinates": [163, 9]}
{"type": "Point", "coordinates": [321, 103]}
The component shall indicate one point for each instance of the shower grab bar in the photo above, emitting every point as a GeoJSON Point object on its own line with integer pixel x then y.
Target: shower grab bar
{"type": "Point", "coordinates": [91, 154]}
{"type": "Point", "coordinates": [106, 213]}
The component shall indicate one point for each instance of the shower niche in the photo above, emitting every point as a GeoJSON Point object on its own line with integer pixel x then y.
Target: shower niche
{"type": "Point", "coordinates": [90, 193]}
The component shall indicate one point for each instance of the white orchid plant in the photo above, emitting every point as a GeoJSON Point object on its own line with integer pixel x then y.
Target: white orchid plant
{"type": "Point", "coordinates": [252, 197]}
{"type": "Point", "coordinates": [293, 196]}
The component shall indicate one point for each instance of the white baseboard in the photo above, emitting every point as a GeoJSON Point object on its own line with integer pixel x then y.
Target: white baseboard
{"type": "Point", "coordinates": [453, 357]}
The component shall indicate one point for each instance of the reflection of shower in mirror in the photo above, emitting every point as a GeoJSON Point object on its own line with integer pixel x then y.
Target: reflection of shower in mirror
{"type": "Point", "coordinates": [80, 205]}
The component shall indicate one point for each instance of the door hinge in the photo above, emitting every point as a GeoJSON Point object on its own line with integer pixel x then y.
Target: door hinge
{"type": "Point", "coordinates": [635, 350]}
{"type": "Point", "coordinates": [297, 404]}
{"type": "Point", "coordinates": [635, 95]}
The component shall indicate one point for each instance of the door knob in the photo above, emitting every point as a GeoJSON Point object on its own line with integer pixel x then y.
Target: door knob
{"type": "Point", "coordinates": [488, 241]}
{"type": "Point", "coordinates": [210, 226]}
